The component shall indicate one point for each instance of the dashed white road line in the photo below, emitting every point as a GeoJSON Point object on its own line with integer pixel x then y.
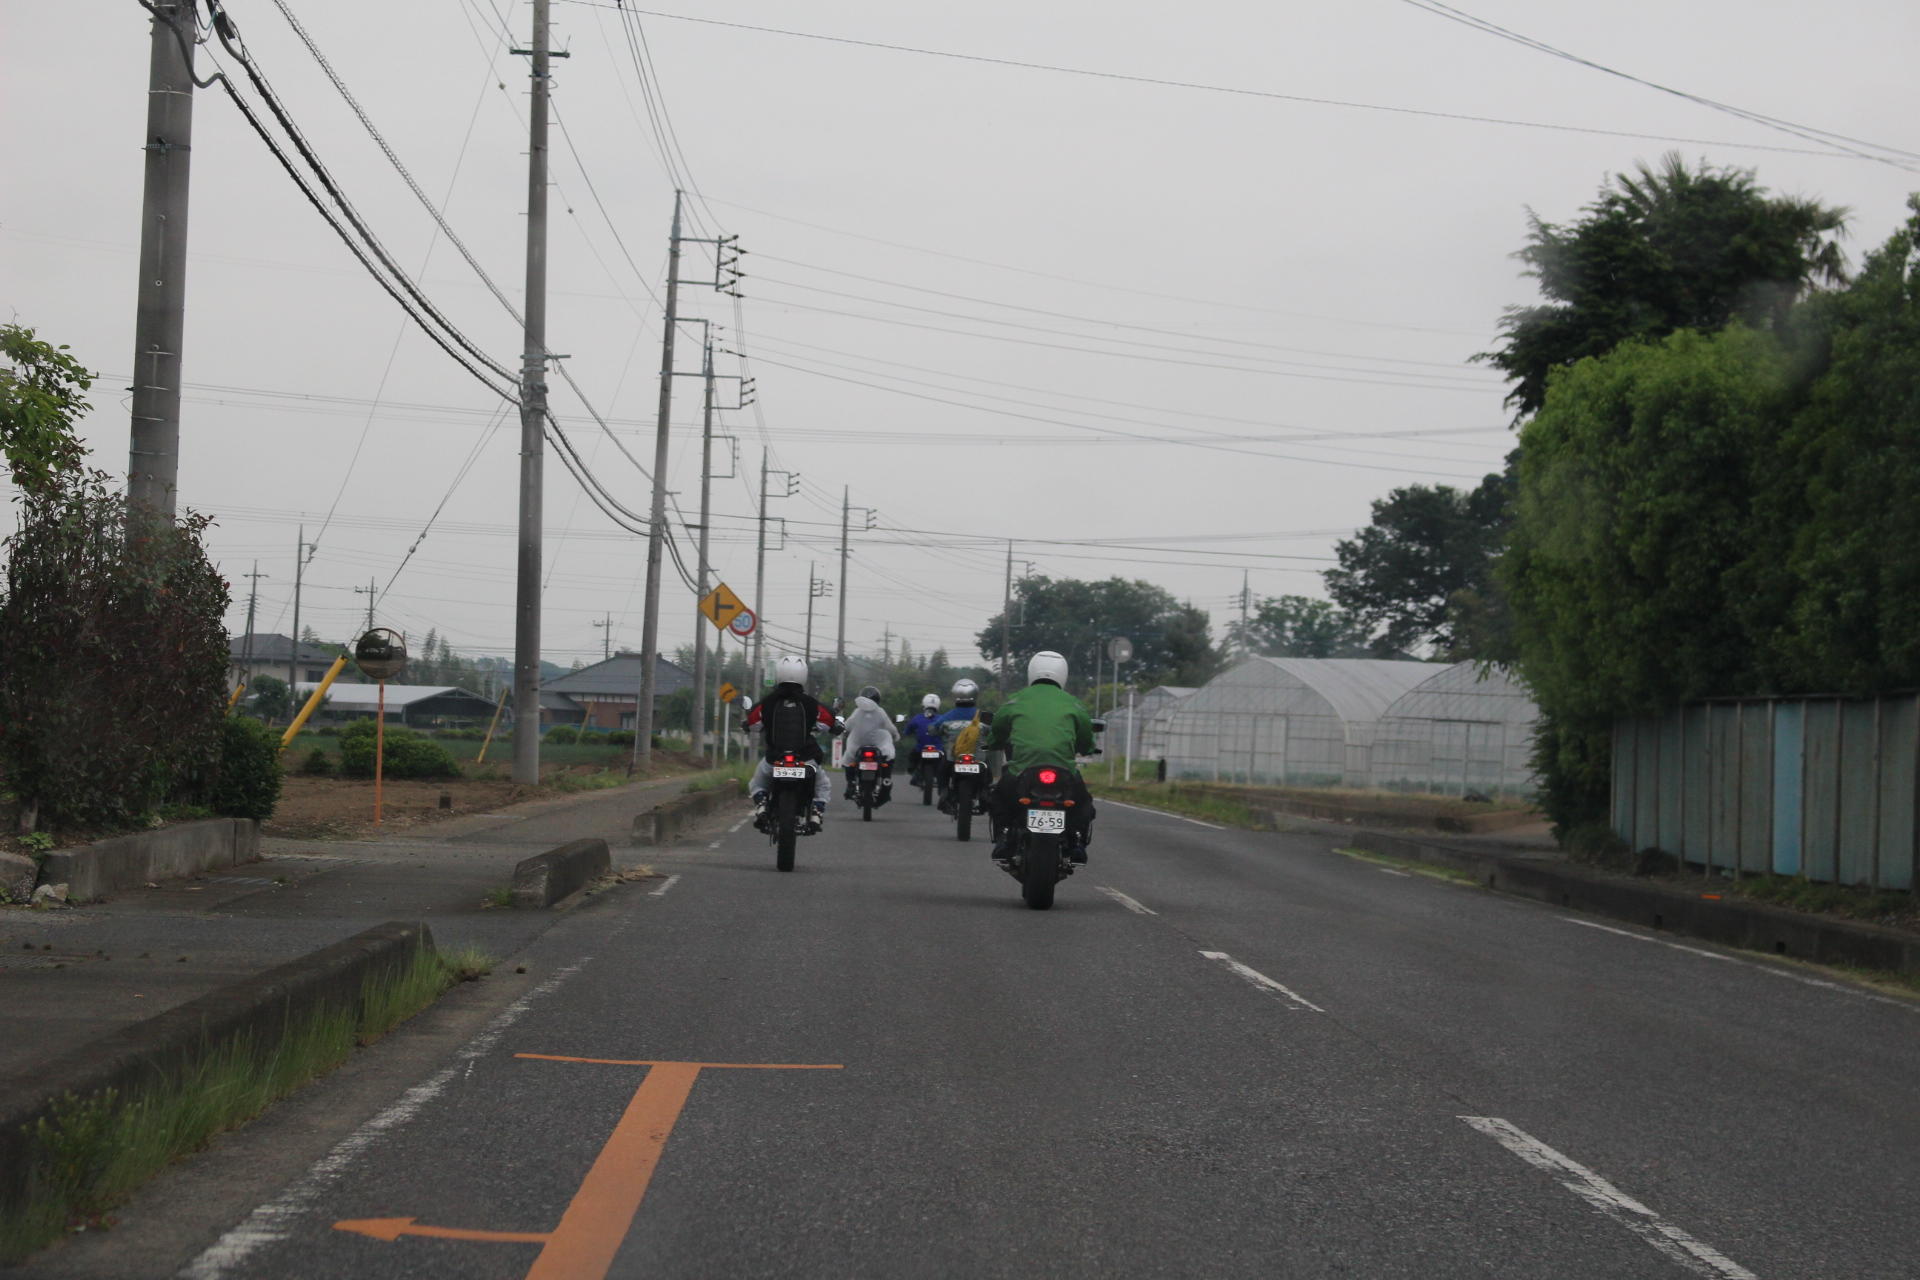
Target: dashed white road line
{"type": "Point", "coordinates": [736, 826]}
{"type": "Point", "coordinates": [1789, 975]}
{"type": "Point", "coordinates": [1132, 904]}
{"type": "Point", "coordinates": [1679, 1247]}
{"type": "Point", "coordinates": [279, 1218]}
{"type": "Point", "coordinates": [1177, 817]}
{"type": "Point", "coordinates": [665, 885]}
{"type": "Point", "coordinates": [1261, 980]}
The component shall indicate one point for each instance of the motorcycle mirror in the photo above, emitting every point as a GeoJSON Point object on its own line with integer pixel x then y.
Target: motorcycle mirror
{"type": "Point", "coordinates": [899, 719]}
{"type": "Point", "coordinates": [1099, 726]}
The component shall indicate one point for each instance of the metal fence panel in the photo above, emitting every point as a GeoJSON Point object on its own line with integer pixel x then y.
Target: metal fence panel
{"type": "Point", "coordinates": [1669, 829]}
{"type": "Point", "coordinates": [1899, 772]}
{"type": "Point", "coordinates": [1789, 721]}
{"type": "Point", "coordinates": [1756, 787]}
{"type": "Point", "coordinates": [1860, 754]}
{"type": "Point", "coordinates": [1646, 774]}
{"type": "Point", "coordinates": [1820, 859]}
{"type": "Point", "coordinates": [1696, 796]}
{"type": "Point", "coordinates": [1723, 785]}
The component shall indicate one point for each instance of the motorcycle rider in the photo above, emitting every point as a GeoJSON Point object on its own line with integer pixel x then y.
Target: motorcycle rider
{"type": "Point", "coordinates": [924, 732]}
{"type": "Point", "coordinates": [965, 712]}
{"type": "Point", "coordinates": [869, 725]}
{"type": "Point", "coordinates": [1043, 724]}
{"type": "Point", "coordinates": [789, 717]}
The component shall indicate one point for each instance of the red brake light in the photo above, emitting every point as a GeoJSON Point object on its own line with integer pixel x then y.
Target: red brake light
{"type": "Point", "coordinates": [966, 759]}
{"type": "Point", "coordinates": [1048, 777]}
{"type": "Point", "coordinates": [789, 758]}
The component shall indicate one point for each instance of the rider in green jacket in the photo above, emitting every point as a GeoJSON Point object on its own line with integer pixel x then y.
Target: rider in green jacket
{"type": "Point", "coordinates": [1040, 725]}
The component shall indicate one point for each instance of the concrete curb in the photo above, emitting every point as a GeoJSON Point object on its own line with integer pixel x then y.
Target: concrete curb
{"type": "Point", "coordinates": [150, 1053]}
{"type": "Point", "coordinates": [1754, 926]}
{"type": "Point", "coordinates": [547, 878]}
{"type": "Point", "coordinates": [126, 862]}
{"type": "Point", "coordinates": [663, 823]}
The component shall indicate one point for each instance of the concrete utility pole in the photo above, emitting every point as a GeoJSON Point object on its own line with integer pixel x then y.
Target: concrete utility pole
{"type": "Point", "coordinates": [657, 527]}
{"type": "Point", "coordinates": [792, 481]}
{"type": "Point", "coordinates": [153, 451]}
{"type": "Point", "coordinates": [840, 648]}
{"type": "Point", "coordinates": [816, 588]}
{"type": "Point", "coordinates": [1244, 599]}
{"type": "Point", "coordinates": [605, 627]}
{"type": "Point", "coordinates": [253, 596]}
{"type": "Point", "coordinates": [368, 591]}
{"type": "Point", "coordinates": [302, 552]}
{"type": "Point", "coordinates": [533, 414]}
{"type": "Point", "coordinates": [1006, 624]}
{"type": "Point", "coordinates": [699, 711]}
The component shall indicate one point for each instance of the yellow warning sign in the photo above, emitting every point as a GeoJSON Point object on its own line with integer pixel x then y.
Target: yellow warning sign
{"type": "Point", "coordinates": [727, 692]}
{"type": "Point", "coordinates": [721, 606]}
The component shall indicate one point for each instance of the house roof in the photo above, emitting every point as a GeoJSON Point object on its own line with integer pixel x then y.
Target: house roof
{"type": "Point", "coordinates": [619, 677]}
{"type": "Point", "coordinates": [271, 646]}
{"type": "Point", "coordinates": [366, 697]}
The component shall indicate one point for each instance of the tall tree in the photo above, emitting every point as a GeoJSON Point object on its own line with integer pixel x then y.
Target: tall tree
{"type": "Point", "coordinates": [1300, 627]}
{"type": "Point", "coordinates": [1399, 576]}
{"type": "Point", "coordinates": [40, 388]}
{"type": "Point", "coordinates": [1661, 250]}
{"type": "Point", "coordinates": [1171, 641]}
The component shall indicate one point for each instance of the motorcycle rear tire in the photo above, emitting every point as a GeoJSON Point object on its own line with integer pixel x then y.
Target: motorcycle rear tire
{"type": "Point", "coordinates": [1039, 870]}
{"type": "Point", "coordinates": [786, 826]}
{"type": "Point", "coordinates": [926, 789]}
{"type": "Point", "coordinates": [963, 812]}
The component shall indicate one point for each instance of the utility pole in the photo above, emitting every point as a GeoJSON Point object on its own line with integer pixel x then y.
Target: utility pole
{"type": "Point", "coordinates": [533, 414]}
{"type": "Point", "coordinates": [153, 451]}
{"type": "Point", "coordinates": [792, 480]}
{"type": "Point", "coordinates": [816, 588]}
{"type": "Point", "coordinates": [840, 649]}
{"type": "Point", "coordinates": [886, 647]}
{"type": "Point", "coordinates": [657, 518]}
{"type": "Point", "coordinates": [1245, 647]}
{"type": "Point", "coordinates": [699, 710]}
{"type": "Point", "coordinates": [605, 627]}
{"type": "Point", "coordinates": [1006, 624]}
{"type": "Point", "coordinates": [368, 591]}
{"type": "Point", "coordinates": [302, 552]}
{"type": "Point", "coordinates": [253, 595]}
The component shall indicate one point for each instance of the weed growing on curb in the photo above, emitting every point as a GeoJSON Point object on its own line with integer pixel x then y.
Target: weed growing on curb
{"type": "Point", "coordinates": [1170, 798]}
{"type": "Point", "coordinates": [502, 896]}
{"type": "Point", "coordinates": [1408, 865]}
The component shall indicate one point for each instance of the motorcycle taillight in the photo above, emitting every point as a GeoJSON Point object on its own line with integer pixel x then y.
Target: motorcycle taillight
{"type": "Point", "coordinates": [789, 759]}
{"type": "Point", "coordinates": [1048, 777]}
{"type": "Point", "coordinates": [966, 759]}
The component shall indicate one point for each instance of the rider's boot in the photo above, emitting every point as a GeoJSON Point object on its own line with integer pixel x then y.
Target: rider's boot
{"type": "Point", "coordinates": [1077, 847]}
{"type": "Point", "coordinates": [886, 785]}
{"type": "Point", "coordinates": [759, 811]}
{"type": "Point", "coordinates": [852, 794]}
{"type": "Point", "coordinates": [816, 818]}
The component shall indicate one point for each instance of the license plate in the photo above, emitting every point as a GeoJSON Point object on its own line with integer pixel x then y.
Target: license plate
{"type": "Point", "coordinates": [789, 771]}
{"type": "Point", "coordinates": [930, 753]}
{"type": "Point", "coordinates": [966, 768]}
{"type": "Point", "coordinates": [1050, 820]}
{"type": "Point", "coordinates": [869, 764]}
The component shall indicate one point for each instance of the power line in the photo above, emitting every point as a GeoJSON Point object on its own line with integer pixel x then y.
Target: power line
{"type": "Point", "coordinates": [1199, 86]}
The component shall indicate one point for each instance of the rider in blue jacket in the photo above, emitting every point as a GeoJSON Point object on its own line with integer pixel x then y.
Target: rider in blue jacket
{"type": "Point", "coordinates": [924, 731]}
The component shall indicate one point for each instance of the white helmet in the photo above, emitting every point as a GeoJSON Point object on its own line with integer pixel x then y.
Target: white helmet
{"type": "Point", "coordinates": [790, 670]}
{"type": "Point", "coordinates": [1047, 665]}
{"type": "Point", "coordinates": [930, 703]}
{"type": "Point", "coordinates": [965, 690]}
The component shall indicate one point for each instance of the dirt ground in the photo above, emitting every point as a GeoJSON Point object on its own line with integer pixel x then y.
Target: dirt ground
{"type": "Point", "coordinates": [321, 808]}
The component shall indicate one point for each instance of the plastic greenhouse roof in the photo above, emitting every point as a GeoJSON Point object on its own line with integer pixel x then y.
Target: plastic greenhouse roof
{"type": "Point", "coordinates": [1458, 692]}
{"type": "Point", "coordinates": [1358, 689]}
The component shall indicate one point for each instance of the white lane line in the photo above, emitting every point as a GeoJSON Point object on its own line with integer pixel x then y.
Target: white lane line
{"type": "Point", "coordinates": [1132, 904]}
{"type": "Point", "coordinates": [736, 826]}
{"type": "Point", "coordinates": [665, 885]}
{"type": "Point", "coordinates": [1391, 871]}
{"type": "Point", "coordinates": [280, 1218]}
{"type": "Point", "coordinates": [1177, 817]}
{"type": "Point", "coordinates": [1261, 980]}
{"type": "Point", "coordinates": [1694, 1255]}
{"type": "Point", "coordinates": [1906, 1005]}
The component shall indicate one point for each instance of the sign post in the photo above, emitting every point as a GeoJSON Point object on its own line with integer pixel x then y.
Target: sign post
{"type": "Point", "coordinates": [380, 654]}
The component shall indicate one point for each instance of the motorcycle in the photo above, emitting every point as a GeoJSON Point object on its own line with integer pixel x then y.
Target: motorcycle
{"type": "Point", "coordinates": [867, 793]}
{"type": "Point", "coordinates": [966, 793]}
{"type": "Point", "coordinates": [1039, 852]}
{"type": "Point", "coordinates": [926, 771]}
{"type": "Point", "coordinates": [789, 806]}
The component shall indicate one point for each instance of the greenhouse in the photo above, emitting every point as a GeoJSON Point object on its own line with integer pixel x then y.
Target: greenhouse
{"type": "Point", "coordinates": [1305, 721]}
{"type": "Point", "coordinates": [1140, 730]}
{"type": "Point", "coordinates": [1458, 732]}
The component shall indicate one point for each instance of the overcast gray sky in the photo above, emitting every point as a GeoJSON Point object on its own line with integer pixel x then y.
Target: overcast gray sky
{"type": "Point", "coordinates": [995, 302]}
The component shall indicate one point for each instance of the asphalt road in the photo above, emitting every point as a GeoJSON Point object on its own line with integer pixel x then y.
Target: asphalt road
{"type": "Point", "coordinates": [1221, 1054]}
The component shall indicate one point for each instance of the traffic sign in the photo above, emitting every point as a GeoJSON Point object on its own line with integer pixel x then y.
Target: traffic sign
{"type": "Point", "coordinates": [1120, 649]}
{"type": "Point", "coordinates": [743, 623]}
{"type": "Point", "coordinates": [721, 606]}
{"type": "Point", "coordinates": [727, 692]}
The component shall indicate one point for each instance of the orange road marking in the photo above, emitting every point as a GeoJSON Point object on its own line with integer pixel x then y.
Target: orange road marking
{"type": "Point", "coordinates": [391, 1229]}
{"type": "Point", "coordinates": [713, 1066]}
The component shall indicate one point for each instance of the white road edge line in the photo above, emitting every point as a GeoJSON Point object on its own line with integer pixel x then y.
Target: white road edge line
{"type": "Point", "coordinates": [1132, 904]}
{"type": "Point", "coordinates": [1261, 980]}
{"type": "Point", "coordinates": [665, 885]}
{"type": "Point", "coordinates": [1177, 817]}
{"type": "Point", "coordinates": [1391, 871]}
{"type": "Point", "coordinates": [1801, 978]}
{"type": "Point", "coordinates": [277, 1219]}
{"type": "Point", "coordinates": [1694, 1255]}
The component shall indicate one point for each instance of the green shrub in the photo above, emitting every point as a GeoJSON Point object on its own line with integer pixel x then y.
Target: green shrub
{"type": "Point", "coordinates": [561, 734]}
{"type": "Point", "coordinates": [327, 731]}
{"type": "Point", "coordinates": [408, 754]}
{"type": "Point", "coordinates": [620, 738]}
{"type": "Point", "coordinates": [247, 781]}
{"type": "Point", "coordinates": [318, 764]}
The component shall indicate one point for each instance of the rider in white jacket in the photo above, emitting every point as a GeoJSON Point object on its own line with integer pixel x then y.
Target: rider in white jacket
{"type": "Point", "coordinates": [868, 725]}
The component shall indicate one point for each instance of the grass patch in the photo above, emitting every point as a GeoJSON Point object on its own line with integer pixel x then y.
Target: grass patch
{"type": "Point", "coordinates": [1170, 797]}
{"type": "Point", "coordinates": [1882, 906]}
{"type": "Point", "coordinates": [91, 1153]}
{"type": "Point", "coordinates": [501, 896]}
{"type": "Point", "coordinates": [600, 780]}
{"type": "Point", "coordinates": [740, 771]}
{"type": "Point", "coordinates": [1449, 874]}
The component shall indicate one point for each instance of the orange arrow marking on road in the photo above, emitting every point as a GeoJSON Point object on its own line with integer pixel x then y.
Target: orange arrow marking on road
{"type": "Point", "coordinates": [391, 1229]}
